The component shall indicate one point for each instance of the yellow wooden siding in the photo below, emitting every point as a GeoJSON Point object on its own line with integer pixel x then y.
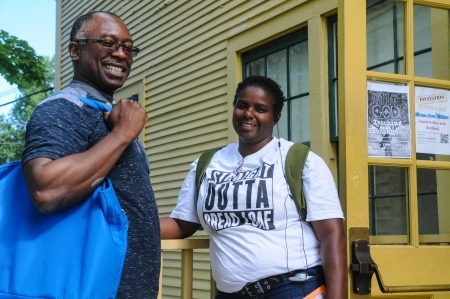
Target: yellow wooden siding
{"type": "Point", "coordinates": [172, 270]}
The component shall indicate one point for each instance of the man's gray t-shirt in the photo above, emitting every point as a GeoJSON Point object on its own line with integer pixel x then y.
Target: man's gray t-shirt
{"type": "Point", "coordinates": [61, 126]}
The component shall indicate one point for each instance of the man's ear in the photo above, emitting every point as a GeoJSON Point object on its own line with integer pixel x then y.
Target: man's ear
{"type": "Point", "coordinates": [74, 50]}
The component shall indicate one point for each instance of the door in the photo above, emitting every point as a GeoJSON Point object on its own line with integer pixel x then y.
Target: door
{"type": "Point", "coordinates": [394, 152]}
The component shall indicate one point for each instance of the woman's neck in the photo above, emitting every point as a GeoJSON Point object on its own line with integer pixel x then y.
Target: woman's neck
{"type": "Point", "coordinates": [247, 149]}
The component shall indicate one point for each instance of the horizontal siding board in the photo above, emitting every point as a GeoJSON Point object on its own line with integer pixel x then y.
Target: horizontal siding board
{"type": "Point", "coordinates": [178, 86]}
{"type": "Point", "coordinates": [198, 148]}
{"type": "Point", "coordinates": [207, 137]}
{"type": "Point", "coordinates": [207, 93]}
{"type": "Point", "coordinates": [186, 131]}
{"type": "Point", "coordinates": [207, 55]}
{"type": "Point", "coordinates": [185, 160]}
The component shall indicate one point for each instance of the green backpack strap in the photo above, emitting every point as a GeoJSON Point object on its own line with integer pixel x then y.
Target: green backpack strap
{"type": "Point", "coordinates": [295, 161]}
{"type": "Point", "coordinates": [203, 162]}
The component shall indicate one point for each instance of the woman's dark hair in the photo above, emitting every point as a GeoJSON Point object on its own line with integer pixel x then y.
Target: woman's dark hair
{"type": "Point", "coordinates": [77, 31]}
{"type": "Point", "coordinates": [268, 85]}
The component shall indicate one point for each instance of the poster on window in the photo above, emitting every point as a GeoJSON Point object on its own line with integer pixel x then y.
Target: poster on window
{"type": "Point", "coordinates": [388, 124]}
{"type": "Point", "coordinates": [432, 120]}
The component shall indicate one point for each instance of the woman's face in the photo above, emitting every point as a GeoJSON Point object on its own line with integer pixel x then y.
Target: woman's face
{"type": "Point", "coordinates": [253, 117]}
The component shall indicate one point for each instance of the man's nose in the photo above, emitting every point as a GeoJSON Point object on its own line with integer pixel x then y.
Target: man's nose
{"type": "Point", "coordinates": [120, 52]}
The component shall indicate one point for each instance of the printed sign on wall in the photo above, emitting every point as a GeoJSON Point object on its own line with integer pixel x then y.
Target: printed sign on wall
{"type": "Point", "coordinates": [432, 120]}
{"type": "Point", "coordinates": [388, 124]}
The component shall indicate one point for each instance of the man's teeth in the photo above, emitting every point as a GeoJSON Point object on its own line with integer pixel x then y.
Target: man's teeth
{"type": "Point", "coordinates": [247, 125]}
{"type": "Point", "coordinates": [114, 68]}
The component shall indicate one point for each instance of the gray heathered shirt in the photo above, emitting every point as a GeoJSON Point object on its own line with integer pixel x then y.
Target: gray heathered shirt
{"type": "Point", "coordinates": [62, 125]}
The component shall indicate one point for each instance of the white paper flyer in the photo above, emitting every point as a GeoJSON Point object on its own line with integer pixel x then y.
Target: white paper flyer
{"type": "Point", "coordinates": [432, 120]}
{"type": "Point", "coordinates": [388, 123]}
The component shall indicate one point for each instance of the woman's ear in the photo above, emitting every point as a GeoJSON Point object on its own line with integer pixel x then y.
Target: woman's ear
{"type": "Point", "coordinates": [276, 118]}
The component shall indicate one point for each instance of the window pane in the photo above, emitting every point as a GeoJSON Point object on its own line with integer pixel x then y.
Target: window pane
{"type": "Point", "coordinates": [433, 187]}
{"type": "Point", "coordinates": [385, 36]}
{"type": "Point", "coordinates": [281, 129]}
{"type": "Point", "coordinates": [286, 62]}
{"type": "Point", "coordinates": [432, 119]}
{"type": "Point", "coordinates": [431, 40]}
{"type": "Point", "coordinates": [300, 120]}
{"type": "Point", "coordinates": [277, 69]}
{"type": "Point", "coordinates": [256, 67]}
{"type": "Point", "coordinates": [332, 77]}
{"type": "Point", "coordinates": [388, 205]}
{"type": "Point", "coordinates": [298, 69]}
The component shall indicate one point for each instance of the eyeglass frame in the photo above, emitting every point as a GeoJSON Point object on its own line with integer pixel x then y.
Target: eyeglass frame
{"type": "Point", "coordinates": [133, 50]}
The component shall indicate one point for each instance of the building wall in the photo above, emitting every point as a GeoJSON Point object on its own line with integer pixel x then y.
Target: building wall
{"type": "Point", "coordinates": [186, 74]}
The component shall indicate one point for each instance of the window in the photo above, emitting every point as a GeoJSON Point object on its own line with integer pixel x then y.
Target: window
{"type": "Point", "coordinates": [385, 36]}
{"type": "Point", "coordinates": [333, 77]}
{"type": "Point", "coordinates": [402, 198]}
{"type": "Point", "coordinates": [286, 62]}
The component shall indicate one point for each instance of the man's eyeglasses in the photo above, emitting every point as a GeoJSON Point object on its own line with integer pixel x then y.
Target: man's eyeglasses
{"type": "Point", "coordinates": [112, 47]}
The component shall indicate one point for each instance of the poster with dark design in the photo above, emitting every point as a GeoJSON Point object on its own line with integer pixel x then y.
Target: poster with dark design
{"type": "Point", "coordinates": [244, 198]}
{"type": "Point", "coordinates": [388, 123]}
{"type": "Point", "coordinates": [432, 120]}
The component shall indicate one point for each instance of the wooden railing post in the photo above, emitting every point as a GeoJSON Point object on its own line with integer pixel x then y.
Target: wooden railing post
{"type": "Point", "coordinates": [187, 259]}
{"type": "Point", "coordinates": [187, 247]}
{"type": "Point", "coordinates": [160, 277]}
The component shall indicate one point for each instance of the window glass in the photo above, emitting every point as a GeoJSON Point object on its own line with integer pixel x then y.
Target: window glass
{"type": "Point", "coordinates": [256, 67]}
{"type": "Point", "coordinates": [299, 117]}
{"type": "Point", "coordinates": [385, 36]}
{"type": "Point", "coordinates": [431, 41]}
{"type": "Point", "coordinates": [277, 69]}
{"type": "Point", "coordinates": [298, 69]}
{"type": "Point", "coordinates": [433, 187]}
{"type": "Point", "coordinates": [281, 129]}
{"type": "Point", "coordinates": [388, 216]}
{"type": "Point", "coordinates": [432, 119]}
{"type": "Point", "coordinates": [286, 62]}
{"type": "Point", "coordinates": [333, 77]}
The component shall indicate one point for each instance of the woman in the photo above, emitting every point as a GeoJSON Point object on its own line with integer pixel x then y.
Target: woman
{"type": "Point", "coordinates": [259, 244]}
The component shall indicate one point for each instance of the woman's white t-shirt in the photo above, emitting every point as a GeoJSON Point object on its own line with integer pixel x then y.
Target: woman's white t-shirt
{"type": "Point", "coordinates": [254, 227]}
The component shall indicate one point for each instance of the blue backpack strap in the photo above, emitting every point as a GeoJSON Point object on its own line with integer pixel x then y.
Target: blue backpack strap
{"type": "Point", "coordinates": [91, 103]}
{"type": "Point", "coordinates": [95, 104]}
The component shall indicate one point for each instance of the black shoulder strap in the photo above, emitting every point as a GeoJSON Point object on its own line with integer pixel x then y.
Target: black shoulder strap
{"type": "Point", "coordinates": [295, 162]}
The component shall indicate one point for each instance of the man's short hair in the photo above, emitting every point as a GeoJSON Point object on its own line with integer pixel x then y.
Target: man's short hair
{"type": "Point", "coordinates": [78, 26]}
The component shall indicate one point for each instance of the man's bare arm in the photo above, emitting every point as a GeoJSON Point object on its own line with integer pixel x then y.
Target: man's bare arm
{"type": "Point", "coordinates": [56, 184]}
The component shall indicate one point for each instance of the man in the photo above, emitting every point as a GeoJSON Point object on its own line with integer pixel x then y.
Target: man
{"type": "Point", "coordinates": [70, 148]}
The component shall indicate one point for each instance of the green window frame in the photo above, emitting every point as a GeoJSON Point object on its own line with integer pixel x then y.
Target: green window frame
{"type": "Point", "coordinates": [261, 54]}
{"type": "Point", "coordinates": [333, 77]}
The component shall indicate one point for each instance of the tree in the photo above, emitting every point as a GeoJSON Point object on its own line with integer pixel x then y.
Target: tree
{"type": "Point", "coordinates": [12, 127]}
{"type": "Point", "coordinates": [19, 63]}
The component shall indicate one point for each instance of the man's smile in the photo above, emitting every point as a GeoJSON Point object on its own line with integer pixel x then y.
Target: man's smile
{"type": "Point", "coordinates": [114, 69]}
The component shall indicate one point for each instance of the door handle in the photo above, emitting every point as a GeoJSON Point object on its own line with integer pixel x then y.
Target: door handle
{"type": "Point", "coordinates": [363, 267]}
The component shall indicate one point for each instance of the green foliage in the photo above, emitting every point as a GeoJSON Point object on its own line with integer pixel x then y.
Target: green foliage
{"type": "Point", "coordinates": [12, 127]}
{"type": "Point", "coordinates": [19, 63]}
{"type": "Point", "coordinates": [11, 140]}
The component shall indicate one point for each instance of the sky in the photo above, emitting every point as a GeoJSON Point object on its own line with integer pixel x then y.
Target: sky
{"type": "Point", "coordinates": [32, 21]}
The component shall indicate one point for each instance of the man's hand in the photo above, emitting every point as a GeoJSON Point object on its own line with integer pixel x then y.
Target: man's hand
{"type": "Point", "coordinates": [127, 118]}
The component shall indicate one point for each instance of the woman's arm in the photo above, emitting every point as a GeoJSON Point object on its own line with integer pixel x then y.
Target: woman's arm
{"type": "Point", "coordinates": [330, 233]}
{"type": "Point", "coordinates": [172, 228]}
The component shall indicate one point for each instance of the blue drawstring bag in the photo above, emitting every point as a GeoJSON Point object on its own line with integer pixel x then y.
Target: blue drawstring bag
{"type": "Point", "coordinates": [77, 252]}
